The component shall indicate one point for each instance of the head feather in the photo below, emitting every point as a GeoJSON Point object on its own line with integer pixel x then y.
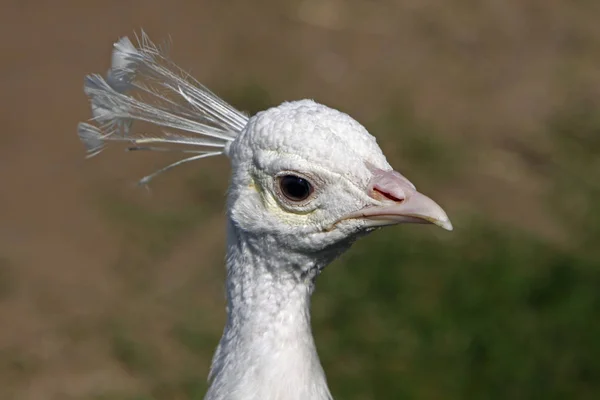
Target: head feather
{"type": "Point", "coordinates": [143, 84]}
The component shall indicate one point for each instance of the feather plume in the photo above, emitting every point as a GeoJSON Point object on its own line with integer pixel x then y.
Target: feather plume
{"type": "Point", "coordinates": [143, 84]}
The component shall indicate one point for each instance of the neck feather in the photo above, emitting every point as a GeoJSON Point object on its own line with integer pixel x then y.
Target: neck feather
{"type": "Point", "coordinates": [267, 350]}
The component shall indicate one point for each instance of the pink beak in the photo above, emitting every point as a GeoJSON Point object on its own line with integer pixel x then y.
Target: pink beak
{"type": "Point", "coordinates": [401, 203]}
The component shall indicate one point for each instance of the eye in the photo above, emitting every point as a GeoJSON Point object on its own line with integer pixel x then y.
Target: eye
{"type": "Point", "coordinates": [295, 188]}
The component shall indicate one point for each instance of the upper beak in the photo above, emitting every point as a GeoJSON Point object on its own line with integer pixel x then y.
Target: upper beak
{"type": "Point", "coordinates": [400, 203]}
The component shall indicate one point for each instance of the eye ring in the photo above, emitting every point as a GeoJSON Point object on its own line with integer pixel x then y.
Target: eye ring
{"type": "Point", "coordinates": [295, 188]}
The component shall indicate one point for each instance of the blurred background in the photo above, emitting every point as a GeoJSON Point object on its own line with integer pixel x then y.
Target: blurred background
{"type": "Point", "coordinates": [111, 292]}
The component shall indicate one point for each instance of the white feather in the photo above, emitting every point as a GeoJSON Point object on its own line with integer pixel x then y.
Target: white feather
{"type": "Point", "coordinates": [144, 85]}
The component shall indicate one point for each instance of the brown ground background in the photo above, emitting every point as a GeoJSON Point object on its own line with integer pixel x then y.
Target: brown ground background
{"type": "Point", "coordinates": [85, 252]}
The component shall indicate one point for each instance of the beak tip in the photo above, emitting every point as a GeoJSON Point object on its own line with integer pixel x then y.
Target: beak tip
{"type": "Point", "coordinates": [445, 224]}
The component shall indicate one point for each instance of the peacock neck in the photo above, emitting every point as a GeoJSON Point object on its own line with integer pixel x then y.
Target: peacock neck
{"type": "Point", "coordinates": [267, 350]}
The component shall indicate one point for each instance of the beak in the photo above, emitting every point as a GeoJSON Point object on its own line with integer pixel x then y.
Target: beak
{"type": "Point", "coordinates": [400, 203]}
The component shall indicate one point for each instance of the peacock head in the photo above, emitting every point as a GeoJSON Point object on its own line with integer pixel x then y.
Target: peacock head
{"type": "Point", "coordinates": [303, 174]}
{"type": "Point", "coordinates": [314, 177]}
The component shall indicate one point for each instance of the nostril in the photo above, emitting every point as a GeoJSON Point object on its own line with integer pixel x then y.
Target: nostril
{"type": "Point", "coordinates": [381, 194]}
{"type": "Point", "coordinates": [389, 186]}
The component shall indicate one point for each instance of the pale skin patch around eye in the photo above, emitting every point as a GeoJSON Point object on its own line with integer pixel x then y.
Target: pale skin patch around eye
{"type": "Point", "coordinates": [252, 185]}
{"type": "Point", "coordinates": [286, 216]}
{"type": "Point", "coordinates": [275, 206]}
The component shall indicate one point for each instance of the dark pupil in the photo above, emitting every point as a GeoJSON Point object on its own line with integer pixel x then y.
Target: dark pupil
{"type": "Point", "coordinates": [295, 188]}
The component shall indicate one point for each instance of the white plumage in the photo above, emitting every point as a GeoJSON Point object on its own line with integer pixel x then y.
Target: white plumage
{"type": "Point", "coordinates": [306, 182]}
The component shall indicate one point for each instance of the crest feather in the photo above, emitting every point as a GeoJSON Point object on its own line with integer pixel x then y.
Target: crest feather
{"type": "Point", "coordinates": [143, 84]}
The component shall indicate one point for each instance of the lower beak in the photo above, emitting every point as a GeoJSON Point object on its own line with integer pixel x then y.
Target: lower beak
{"type": "Point", "coordinates": [400, 203]}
